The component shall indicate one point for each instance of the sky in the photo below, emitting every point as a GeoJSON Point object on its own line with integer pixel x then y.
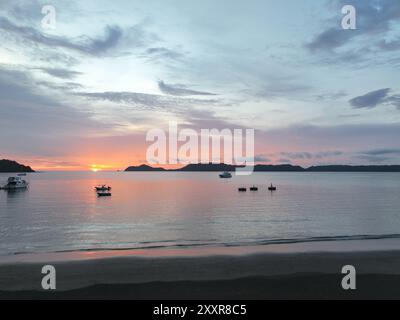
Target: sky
{"type": "Point", "coordinates": [83, 94]}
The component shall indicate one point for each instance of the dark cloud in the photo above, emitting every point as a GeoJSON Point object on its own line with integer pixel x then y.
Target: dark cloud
{"type": "Point", "coordinates": [284, 161]}
{"type": "Point", "coordinates": [374, 18]}
{"type": "Point", "coordinates": [380, 152]}
{"type": "Point", "coordinates": [372, 158]}
{"type": "Point", "coordinates": [84, 44]}
{"type": "Point", "coordinates": [368, 45]}
{"type": "Point", "coordinates": [147, 101]}
{"type": "Point", "coordinates": [370, 99]}
{"type": "Point", "coordinates": [110, 40]}
{"type": "Point", "coordinates": [261, 158]}
{"type": "Point", "coordinates": [64, 86]}
{"type": "Point", "coordinates": [180, 90]}
{"type": "Point", "coordinates": [60, 73]}
{"type": "Point", "coordinates": [114, 41]}
{"type": "Point", "coordinates": [53, 55]}
{"type": "Point", "coordinates": [374, 98]}
{"type": "Point", "coordinates": [379, 155]}
{"type": "Point", "coordinates": [330, 39]}
{"type": "Point", "coordinates": [311, 155]}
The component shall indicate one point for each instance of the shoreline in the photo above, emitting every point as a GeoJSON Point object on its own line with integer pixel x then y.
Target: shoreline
{"type": "Point", "coordinates": [280, 271]}
{"type": "Point", "coordinates": [296, 247]}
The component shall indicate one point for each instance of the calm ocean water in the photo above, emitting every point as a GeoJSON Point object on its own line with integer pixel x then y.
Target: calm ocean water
{"type": "Point", "coordinates": [60, 211]}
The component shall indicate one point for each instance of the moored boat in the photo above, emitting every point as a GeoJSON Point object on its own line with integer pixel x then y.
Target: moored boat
{"type": "Point", "coordinates": [14, 183]}
{"type": "Point", "coordinates": [103, 188]}
{"type": "Point", "coordinates": [225, 175]}
{"type": "Point", "coordinates": [104, 194]}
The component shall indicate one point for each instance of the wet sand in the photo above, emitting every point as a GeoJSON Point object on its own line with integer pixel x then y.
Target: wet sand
{"type": "Point", "coordinates": [309, 271]}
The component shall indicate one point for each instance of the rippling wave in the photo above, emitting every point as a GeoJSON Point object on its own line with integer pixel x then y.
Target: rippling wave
{"type": "Point", "coordinates": [170, 244]}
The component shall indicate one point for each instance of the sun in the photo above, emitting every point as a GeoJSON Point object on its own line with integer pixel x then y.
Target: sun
{"type": "Point", "coordinates": [94, 168]}
{"type": "Point", "coordinates": [100, 167]}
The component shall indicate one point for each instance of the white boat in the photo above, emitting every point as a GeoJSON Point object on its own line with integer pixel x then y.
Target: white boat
{"type": "Point", "coordinates": [225, 175]}
{"type": "Point", "coordinates": [15, 183]}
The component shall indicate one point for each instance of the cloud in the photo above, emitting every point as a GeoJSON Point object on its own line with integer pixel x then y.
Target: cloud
{"type": "Point", "coordinates": [162, 53]}
{"type": "Point", "coordinates": [147, 101]}
{"type": "Point", "coordinates": [394, 100]}
{"type": "Point", "coordinates": [311, 155]}
{"type": "Point", "coordinates": [392, 45]}
{"type": "Point", "coordinates": [374, 42]}
{"type": "Point", "coordinates": [374, 98]}
{"type": "Point", "coordinates": [49, 126]}
{"type": "Point", "coordinates": [370, 99]}
{"type": "Point", "coordinates": [329, 39]}
{"type": "Point", "coordinates": [297, 155]}
{"type": "Point", "coordinates": [180, 90]}
{"type": "Point", "coordinates": [65, 86]}
{"type": "Point", "coordinates": [325, 154]}
{"type": "Point", "coordinates": [331, 96]}
{"type": "Point", "coordinates": [339, 141]}
{"type": "Point", "coordinates": [102, 45]}
{"type": "Point", "coordinates": [205, 119]}
{"type": "Point", "coordinates": [379, 155]}
{"type": "Point", "coordinates": [379, 152]}
{"type": "Point", "coordinates": [261, 158]}
{"type": "Point", "coordinates": [61, 73]}
{"type": "Point", "coordinates": [284, 161]}
{"type": "Point", "coordinates": [373, 19]}
{"type": "Point", "coordinates": [372, 159]}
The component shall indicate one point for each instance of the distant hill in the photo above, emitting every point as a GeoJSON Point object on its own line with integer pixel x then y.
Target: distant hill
{"type": "Point", "coordinates": [220, 167]}
{"type": "Point", "coordinates": [279, 167]}
{"type": "Point", "coordinates": [208, 167]}
{"type": "Point", "coordinates": [227, 167]}
{"type": "Point", "coordinates": [13, 166]}
{"type": "Point", "coordinates": [344, 168]}
{"type": "Point", "coordinates": [143, 167]}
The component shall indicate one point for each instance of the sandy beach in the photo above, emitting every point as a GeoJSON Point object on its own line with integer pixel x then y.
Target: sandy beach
{"type": "Point", "coordinates": [292, 271]}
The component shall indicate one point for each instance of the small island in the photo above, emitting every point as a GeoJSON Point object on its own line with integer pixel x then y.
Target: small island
{"type": "Point", "coordinates": [13, 166]}
{"type": "Point", "coordinates": [143, 167]}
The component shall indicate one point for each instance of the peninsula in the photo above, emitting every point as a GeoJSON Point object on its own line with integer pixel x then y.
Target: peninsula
{"type": "Point", "coordinates": [13, 166]}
